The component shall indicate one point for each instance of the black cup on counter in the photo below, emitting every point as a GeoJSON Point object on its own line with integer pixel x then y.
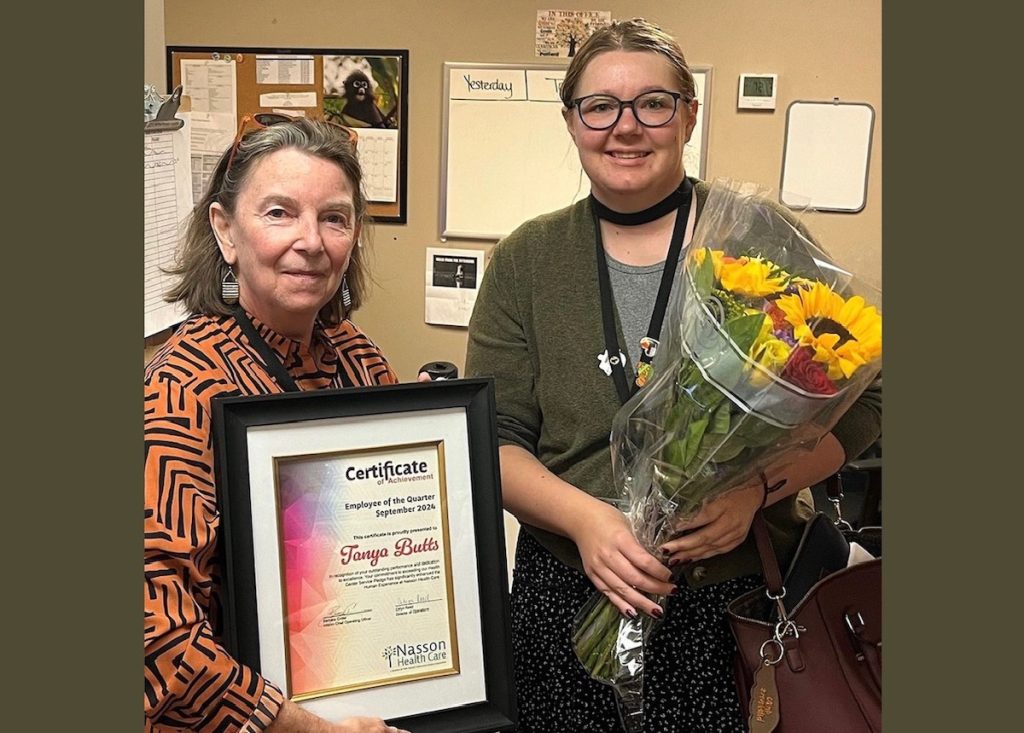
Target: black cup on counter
{"type": "Point", "coordinates": [439, 370]}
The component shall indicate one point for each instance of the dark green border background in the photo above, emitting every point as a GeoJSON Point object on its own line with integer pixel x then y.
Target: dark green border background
{"type": "Point", "coordinates": [73, 369]}
{"type": "Point", "coordinates": [72, 266]}
{"type": "Point", "coordinates": [951, 269]}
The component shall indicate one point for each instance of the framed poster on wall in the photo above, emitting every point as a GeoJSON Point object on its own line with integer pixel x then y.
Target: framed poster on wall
{"type": "Point", "coordinates": [366, 90]}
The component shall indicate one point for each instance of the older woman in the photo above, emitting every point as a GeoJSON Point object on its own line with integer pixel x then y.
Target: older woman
{"type": "Point", "coordinates": [559, 321]}
{"type": "Point", "coordinates": [270, 267]}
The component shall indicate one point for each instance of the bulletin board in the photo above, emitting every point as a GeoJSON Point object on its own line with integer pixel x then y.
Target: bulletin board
{"type": "Point", "coordinates": [365, 89]}
{"type": "Point", "coordinates": [826, 154]}
{"type": "Point", "coordinates": [506, 154]}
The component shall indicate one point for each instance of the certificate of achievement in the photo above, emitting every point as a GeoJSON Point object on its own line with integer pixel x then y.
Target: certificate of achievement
{"type": "Point", "coordinates": [366, 568]}
{"type": "Point", "coordinates": [364, 553]}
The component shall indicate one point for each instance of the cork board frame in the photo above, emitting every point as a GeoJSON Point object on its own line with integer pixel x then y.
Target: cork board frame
{"type": "Point", "coordinates": [382, 121]}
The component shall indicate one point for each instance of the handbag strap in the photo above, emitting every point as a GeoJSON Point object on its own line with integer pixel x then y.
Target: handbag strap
{"type": "Point", "coordinates": [834, 491]}
{"type": "Point", "coordinates": [834, 487]}
{"type": "Point", "coordinates": [769, 563]}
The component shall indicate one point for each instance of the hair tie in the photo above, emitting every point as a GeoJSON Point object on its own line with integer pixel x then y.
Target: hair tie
{"type": "Point", "coordinates": [769, 489]}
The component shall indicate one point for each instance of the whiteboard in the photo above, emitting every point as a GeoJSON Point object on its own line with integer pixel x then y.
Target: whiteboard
{"type": "Point", "coordinates": [506, 154]}
{"type": "Point", "coordinates": [825, 160]}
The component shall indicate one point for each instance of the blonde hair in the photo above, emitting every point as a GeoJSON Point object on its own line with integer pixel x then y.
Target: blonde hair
{"type": "Point", "coordinates": [628, 35]}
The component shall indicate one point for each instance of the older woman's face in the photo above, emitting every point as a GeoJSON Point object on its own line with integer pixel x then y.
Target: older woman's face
{"type": "Point", "coordinates": [289, 238]}
{"type": "Point", "coordinates": [631, 166]}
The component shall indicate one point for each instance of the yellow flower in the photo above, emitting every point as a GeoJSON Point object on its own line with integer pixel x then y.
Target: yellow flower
{"type": "Point", "coordinates": [772, 354]}
{"type": "Point", "coordinates": [751, 277]}
{"type": "Point", "coordinates": [716, 258]}
{"type": "Point", "coordinates": [844, 334]}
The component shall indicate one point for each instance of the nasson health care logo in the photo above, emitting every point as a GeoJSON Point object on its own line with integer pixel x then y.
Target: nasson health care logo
{"type": "Point", "coordinates": [415, 655]}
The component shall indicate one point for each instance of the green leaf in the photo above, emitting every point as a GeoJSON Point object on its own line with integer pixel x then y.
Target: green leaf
{"type": "Point", "coordinates": [720, 420]}
{"type": "Point", "coordinates": [694, 433]}
{"type": "Point", "coordinates": [704, 276]}
{"type": "Point", "coordinates": [675, 452]}
{"type": "Point", "coordinates": [716, 449]}
{"type": "Point", "coordinates": [744, 330]}
{"type": "Point", "coordinates": [755, 432]}
{"type": "Point", "coordinates": [689, 375]}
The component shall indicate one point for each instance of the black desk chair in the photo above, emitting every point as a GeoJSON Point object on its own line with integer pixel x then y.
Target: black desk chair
{"type": "Point", "coordinates": [859, 483]}
{"type": "Point", "coordinates": [871, 510]}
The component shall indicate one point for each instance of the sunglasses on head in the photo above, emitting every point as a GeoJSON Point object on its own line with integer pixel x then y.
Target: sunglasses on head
{"type": "Point", "coordinates": [261, 120]}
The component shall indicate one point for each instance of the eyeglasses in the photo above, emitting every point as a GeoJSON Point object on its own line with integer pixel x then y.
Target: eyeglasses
{"type": "Point", "coordinates": [651, 109]}
{"type": "Point", "coordinates": [262, 120]}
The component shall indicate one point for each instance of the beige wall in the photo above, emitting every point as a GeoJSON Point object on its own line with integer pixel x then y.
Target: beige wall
{"type": "Point", "coordinates": [820, 48]}
{"type": "Point", "coordinates": [154, 61]}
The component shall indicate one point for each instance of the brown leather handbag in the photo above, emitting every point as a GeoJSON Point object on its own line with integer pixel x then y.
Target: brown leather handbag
{"type": "Point", "coordinates": [811, 664]}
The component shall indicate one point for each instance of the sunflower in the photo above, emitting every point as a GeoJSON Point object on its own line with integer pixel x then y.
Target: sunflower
{"type": "Point", "coordinates": [844, 334]}
{"type": "Point", "coordinates": [751, 277]}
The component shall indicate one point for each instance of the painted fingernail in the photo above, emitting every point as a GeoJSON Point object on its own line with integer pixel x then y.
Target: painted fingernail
{"type": "Point", "coordinates": [673, 562]}
{"type": "Point", "coordinates": [657, 612]}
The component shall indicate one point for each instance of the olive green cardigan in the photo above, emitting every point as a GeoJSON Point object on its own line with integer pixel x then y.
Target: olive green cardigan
{"type": "Point", "coordinates": [536, 329]}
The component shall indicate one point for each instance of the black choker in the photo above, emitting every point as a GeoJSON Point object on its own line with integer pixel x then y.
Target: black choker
{"type": "Point", "coordinates": [670, 203]}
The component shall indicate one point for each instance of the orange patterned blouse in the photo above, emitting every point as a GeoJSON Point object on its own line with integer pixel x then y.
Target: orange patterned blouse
{"type": "Point", "coordinates": [191, 682]}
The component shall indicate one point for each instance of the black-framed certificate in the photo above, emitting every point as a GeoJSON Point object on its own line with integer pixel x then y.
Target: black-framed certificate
{"type": "Point", "coordinates": [364, 551]}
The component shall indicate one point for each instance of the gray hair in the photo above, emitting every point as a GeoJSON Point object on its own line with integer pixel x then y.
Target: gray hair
{"type": "Point", "coordinates": [628, 35]}
{"type": "Point", "coordinates": [199, 264]}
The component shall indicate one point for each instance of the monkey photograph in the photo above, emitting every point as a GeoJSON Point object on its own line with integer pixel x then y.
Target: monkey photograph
{"type": "Point", "coordinates": [362, 92]}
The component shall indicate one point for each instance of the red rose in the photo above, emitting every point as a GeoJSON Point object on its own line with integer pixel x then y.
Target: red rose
{"type": "Point", "coordinates": [806, 373]}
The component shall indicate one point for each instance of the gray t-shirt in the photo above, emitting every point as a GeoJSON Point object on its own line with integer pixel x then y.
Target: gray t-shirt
{"type": "Point", "coordinates": [635, 288]}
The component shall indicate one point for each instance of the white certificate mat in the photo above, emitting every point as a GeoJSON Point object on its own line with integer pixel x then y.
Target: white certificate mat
{"type": "Point", "coordinates": [448, 426]}
{"type": "Point", "coordinates": [825, 163]}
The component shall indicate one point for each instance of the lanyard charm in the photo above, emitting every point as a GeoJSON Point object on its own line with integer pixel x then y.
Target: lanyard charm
{"type": "Point", "coordinates": [644, 370]}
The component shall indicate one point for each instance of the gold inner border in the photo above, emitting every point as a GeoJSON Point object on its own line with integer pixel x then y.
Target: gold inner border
{"type": "Point", "coordinates": [454, 666]}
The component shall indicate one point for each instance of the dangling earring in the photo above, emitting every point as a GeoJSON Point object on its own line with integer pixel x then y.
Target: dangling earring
{"type": "Point", "coordinates": [346, 294]}
{"type": "Point", "coordinates": [229, 287]}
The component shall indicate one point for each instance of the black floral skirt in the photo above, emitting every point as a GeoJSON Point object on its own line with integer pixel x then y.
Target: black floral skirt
{"type": "Point", "coordinates": [688, 681]}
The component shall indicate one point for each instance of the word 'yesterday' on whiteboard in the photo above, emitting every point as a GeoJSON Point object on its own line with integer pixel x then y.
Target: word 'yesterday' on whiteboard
{"type": "Point", "coordinates": [534, 85]}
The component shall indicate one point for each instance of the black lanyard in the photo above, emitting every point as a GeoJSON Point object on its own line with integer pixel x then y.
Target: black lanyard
{"type": "Point", "coordinates": [271, 362]}
{"type": "Point", "coordinates": [625, 388]}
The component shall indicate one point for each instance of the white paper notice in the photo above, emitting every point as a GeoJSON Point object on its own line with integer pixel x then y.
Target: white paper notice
{"type": "Point", "coordinates": [378, 156]}
{"type": "Point", "coordinates": [168, 200]}
{"type": "Point", "coordinates": [452, 282]}
{"type": "Point", "coordinates": [212, 87]}
{"type": "Point", "coordinates": [284, 70]}
{"type": "Point", "coordinates": [288, 99]}
{"type": "Point", "coordinates": [203, 165]}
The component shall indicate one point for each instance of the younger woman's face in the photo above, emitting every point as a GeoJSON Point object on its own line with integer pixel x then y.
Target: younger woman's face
{"type": "Point", "coordinates": [631, 166]}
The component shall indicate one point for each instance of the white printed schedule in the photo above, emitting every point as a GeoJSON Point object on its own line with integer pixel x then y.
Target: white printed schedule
{"type": "Point", "coordinates": [168, 200]}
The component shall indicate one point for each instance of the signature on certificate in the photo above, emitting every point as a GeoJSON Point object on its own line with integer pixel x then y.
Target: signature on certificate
{"type": "Point", "coordinates": [420, 599]}
{"type": "Point", "coordinates": [349, 610]}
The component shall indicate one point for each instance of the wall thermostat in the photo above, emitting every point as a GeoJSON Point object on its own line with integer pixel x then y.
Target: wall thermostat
{"type": "Point", "coordinates": [758, 91]}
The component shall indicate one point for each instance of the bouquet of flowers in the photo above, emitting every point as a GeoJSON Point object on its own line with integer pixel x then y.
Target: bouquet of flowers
{"type": "Point", "coordinates": [766, 343]}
